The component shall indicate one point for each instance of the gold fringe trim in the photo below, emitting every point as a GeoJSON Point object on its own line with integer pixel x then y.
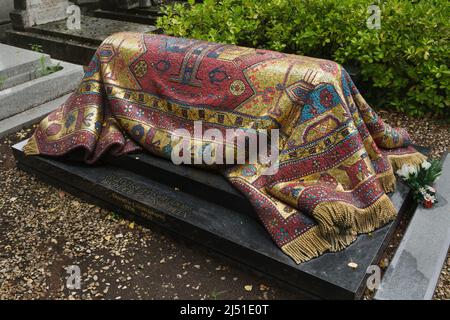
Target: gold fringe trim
{"type": "Point", "coordinates": [387, 180]}
{"type": "Point", "coordinates": [397, 161]}
{"type": "Point", "coordinates": [336, 223]}
{"type": "Point", "coordinates": [376, 215]}
{"type": "Point", "coordinates": [31, 148]}
{"type": "Point", "coordinates": [309, 245]}
{"type": "Point", "coordinates": [340, 223]}
{"type": "Point", "coordinates": [329, 237]}
{"type": "Point", "coordinates": [343, 240]}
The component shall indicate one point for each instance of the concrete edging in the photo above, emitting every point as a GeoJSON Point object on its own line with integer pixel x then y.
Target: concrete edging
{"type": "Point", "coordinates": [30, 116]}
{"type": "Point", "coordinates": [35, 92]}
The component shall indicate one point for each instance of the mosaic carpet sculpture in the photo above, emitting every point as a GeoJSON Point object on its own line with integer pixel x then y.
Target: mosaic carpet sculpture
{"type": "Point", "coordinates": [336, 156]}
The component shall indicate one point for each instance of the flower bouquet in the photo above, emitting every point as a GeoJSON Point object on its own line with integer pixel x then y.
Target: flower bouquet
{"type": "Point", "coordinates": [420, 179]}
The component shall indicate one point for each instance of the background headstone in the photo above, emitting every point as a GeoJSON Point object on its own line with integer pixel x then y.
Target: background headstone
{"type": "Point", "coordinates": [119, 4]}
{"type": "Point", "coordinates": [82, 2]}
{"type": "Point", "coordinates": [132, 4]}
{"type": "Point", "coordinates": [29, 13]}
{"type": "Point", "coordinates": [145, 3]}
{"type": "Point", "coordinates": [6, 6]}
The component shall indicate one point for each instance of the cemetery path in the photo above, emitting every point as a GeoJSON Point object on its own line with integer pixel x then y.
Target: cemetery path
{"type": "Point", "coordinates": [44, 230]}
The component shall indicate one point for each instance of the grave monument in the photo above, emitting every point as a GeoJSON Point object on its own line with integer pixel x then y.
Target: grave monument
{"type": "Point", "coordinates": [44, 23]}
{"type": "Point", "coordinates": [30, 13]}
{"type": "Point", "coordinates": [316, 222]}
{"type": "Point", "coordinates": [7, 6]}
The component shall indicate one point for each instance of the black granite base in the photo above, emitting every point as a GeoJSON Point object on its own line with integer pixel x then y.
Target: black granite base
{"type": "Point", "coordinates": [193, 181]}
{"type": "Point", "coordinates": [174, 198]}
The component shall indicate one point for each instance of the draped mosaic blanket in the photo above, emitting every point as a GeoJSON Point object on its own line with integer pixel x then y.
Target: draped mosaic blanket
{"type": "Point", "coordinates": [336, 156]}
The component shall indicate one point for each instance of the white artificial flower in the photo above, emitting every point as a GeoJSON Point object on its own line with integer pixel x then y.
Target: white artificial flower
{"type": "Point", "coordinates": [412, 170]}
{"type": "Point", "coordinates": [431, 189]}
{"type": "Point", "coordinates": [429, 197]}
{"type": "Point", "coordinates": [426, 165]}
{"type": "Point", "coordinates": [422, 191]}
{"type": "Point", "coordinates": [403, 171]}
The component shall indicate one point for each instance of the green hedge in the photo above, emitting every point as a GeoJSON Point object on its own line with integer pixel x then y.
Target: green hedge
{"type": "Point", "coordinates": [405, 63]}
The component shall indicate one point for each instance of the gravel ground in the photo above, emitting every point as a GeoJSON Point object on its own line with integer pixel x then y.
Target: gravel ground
{"type": "Point", "coordinates": [44, 230]}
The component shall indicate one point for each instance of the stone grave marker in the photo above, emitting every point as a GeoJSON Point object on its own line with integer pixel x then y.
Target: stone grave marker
{"type": "Point", "coordinates": [26, 82]}
{"type": "Point", "coordinates": [145, 3]}
{"type": "Point", "coordinates": [30, 13]}
{"type": "Point", "coordinates": [6, 7]}
{"type": "Point", "coordinates": [119, 4]}
{"type": "Point", "coordinates": [77, 45]}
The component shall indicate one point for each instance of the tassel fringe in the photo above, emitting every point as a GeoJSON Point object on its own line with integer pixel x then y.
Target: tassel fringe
{"type": "Point", "coordinates": [397, 161]}
{"type": "Point", "coordinates": [334, 215]}
{"type": "Point", "coordinates": [340, 223]}
{"type": "Point", "coordinates": [309, 245]}
{"type": "Point", "coordinates": [342, 241]}
{"type": "Point", "coordinates": [388, 181]}
{"type": "Point", "coordinates": [31, 148]}
{"type": "Point", "coordinates": [375, 215]}
{"type": "Point", "coordinates": [336, 223]}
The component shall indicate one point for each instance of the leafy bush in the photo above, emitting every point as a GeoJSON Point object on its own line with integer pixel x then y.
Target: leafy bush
{"type": "Point", "coordinates": [405, 63]}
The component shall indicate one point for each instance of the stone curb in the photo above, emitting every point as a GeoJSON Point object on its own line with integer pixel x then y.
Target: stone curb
{"type": "Point", "coordinates": [30, 116]}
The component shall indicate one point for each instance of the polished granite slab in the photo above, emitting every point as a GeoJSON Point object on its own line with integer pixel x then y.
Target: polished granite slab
{"type": "Point", "coordinates": [152, 198]}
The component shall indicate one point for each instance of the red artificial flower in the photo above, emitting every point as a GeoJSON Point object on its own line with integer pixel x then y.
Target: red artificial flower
{"type": "Point", "coordinates": [427, 203]}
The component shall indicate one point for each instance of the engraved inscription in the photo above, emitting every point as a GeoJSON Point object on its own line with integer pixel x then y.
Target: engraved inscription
{"type": "Point", "coordinates": [137, 208]}
{"type": "Point", "coordinates": [151, 196]}
{"type": "Point", "coordinates": [44, 11]}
